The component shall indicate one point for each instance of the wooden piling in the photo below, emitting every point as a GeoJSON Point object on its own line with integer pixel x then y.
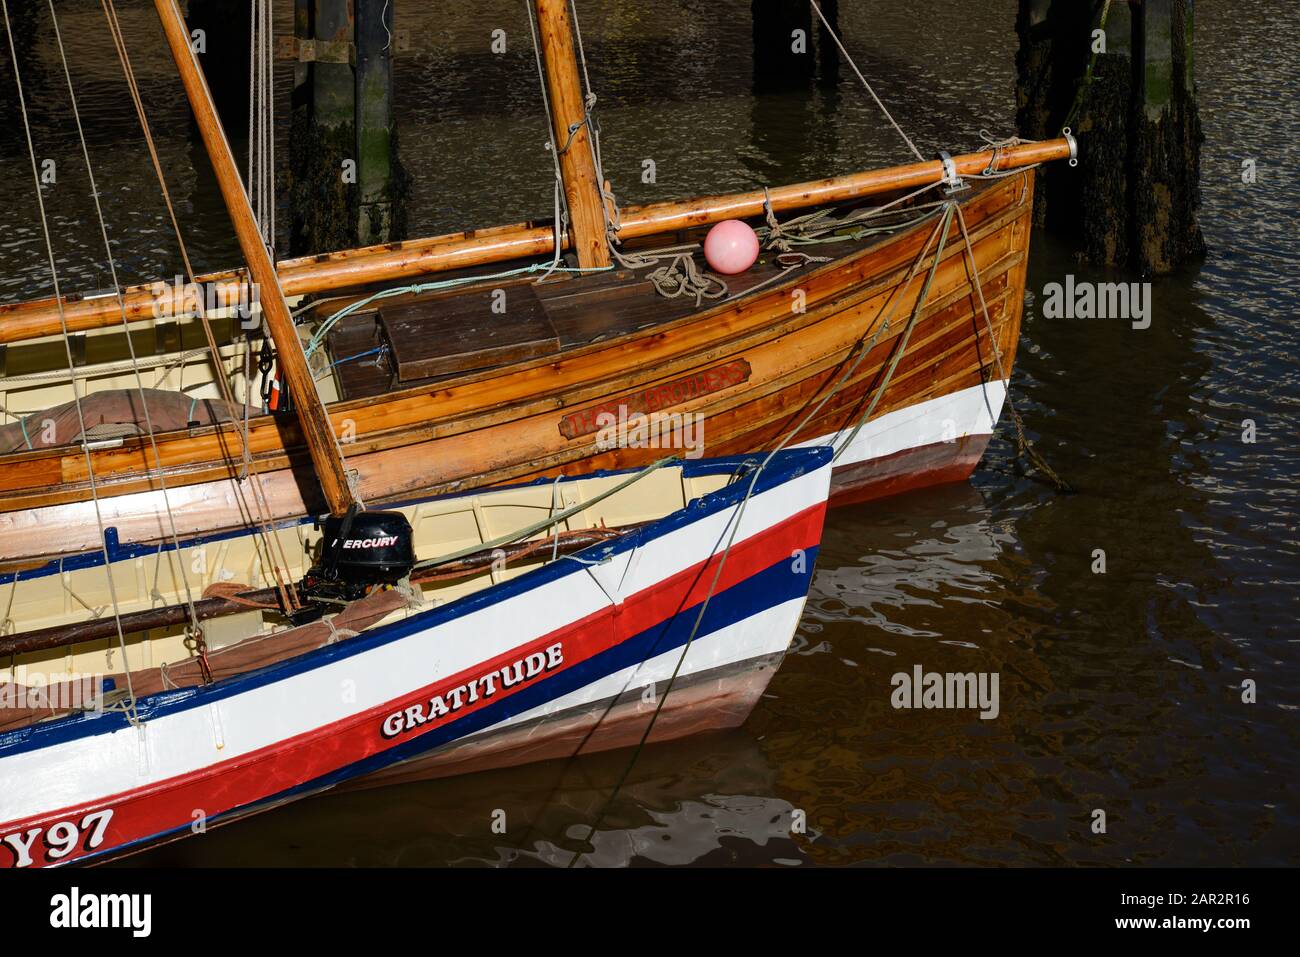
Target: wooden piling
{"type": "Point", "coordinates": [323, 188]}
{"type": "Point", "coordinates": [380, 179]}
{"type": "Point", "coordinates": [1133, 198]}
{"type": "Point", "coordinates": [1167, 140]}
{"type": "Point", "coordinates": [348, 187]}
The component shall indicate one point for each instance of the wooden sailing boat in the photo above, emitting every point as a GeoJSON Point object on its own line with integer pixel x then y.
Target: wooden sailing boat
{"type": "Point", "coordinates": [541, 620]}
{"type": "Point", "coordinates": [896, 349]}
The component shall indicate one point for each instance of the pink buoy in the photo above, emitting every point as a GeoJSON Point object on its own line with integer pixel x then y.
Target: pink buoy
{"type": "Point", "coordinates": [730, 247]}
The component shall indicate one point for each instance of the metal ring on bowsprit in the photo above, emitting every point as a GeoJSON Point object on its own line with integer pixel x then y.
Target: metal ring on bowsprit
{"type": "Point", "coordinates": [954, 182]}
{"type": "Point", "coordinates": [949, 169]}
{"type": "Point", "coordinates": [1074, 145]}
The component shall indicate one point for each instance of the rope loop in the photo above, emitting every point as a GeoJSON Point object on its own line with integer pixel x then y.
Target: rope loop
{"type": "Point", "coordinates": [776, 238]}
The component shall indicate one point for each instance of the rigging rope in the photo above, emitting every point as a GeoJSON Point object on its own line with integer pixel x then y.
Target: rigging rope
{"type": "Point", "coordinates": [561, 201]}
{"type": "Point", "coordinates": [270, 542]}
{"type": "Point", "coordinates": [1024, 447]}
{"type": "Point", "coordinates": [167, 362]}
{"type": "Point", "coordinates": [609, 204]}
{"type": "Point", "coordinates": [883, 109]}
{"type": "Point", "coordinates": [942, 232]}
{"type": "Point", "coordinates": [809, 229]}
{"type": "Point", "coordinates": [261, 122]}
{"type": "Point", "coordinates": [682, 276]}
{"type": "Point", "coordinates": [126, 326]}
{"type": "Point", "coordinates": [63, 323]}
{"type": "Point", "coordinates": [730, 532]}
{"type": "Point", "coordinates": [949, 209]}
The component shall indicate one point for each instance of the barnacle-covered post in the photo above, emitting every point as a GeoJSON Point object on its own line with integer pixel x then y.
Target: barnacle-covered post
{"type": "Point", "coordinates": [380, 178]}
{"type": "Point", "coordinates": [1121, 75]}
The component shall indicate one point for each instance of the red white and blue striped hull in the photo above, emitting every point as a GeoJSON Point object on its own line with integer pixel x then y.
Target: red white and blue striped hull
{"type": "Point", "coordinates": [558, 659]}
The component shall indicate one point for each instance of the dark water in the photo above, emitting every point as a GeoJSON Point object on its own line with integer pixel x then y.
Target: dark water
{"type": "Point", "coordinates": [1119, 691]}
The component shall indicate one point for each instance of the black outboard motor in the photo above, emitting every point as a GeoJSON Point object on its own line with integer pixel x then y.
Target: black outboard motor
{"type": "Point", "coordinates": [360, 551]}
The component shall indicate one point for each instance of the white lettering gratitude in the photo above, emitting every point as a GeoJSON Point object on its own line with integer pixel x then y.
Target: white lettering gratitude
{"type": "Point", "coordinates": [471, 692]}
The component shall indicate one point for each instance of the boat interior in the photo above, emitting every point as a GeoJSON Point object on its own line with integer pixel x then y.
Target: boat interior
{"type": "Point", "coordinates": [413, 341]}
{"type": "Point", "coordinates": [463, 544]}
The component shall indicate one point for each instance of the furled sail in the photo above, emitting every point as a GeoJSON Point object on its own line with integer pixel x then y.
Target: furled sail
{"type": "Point", "coordinates": [113, 414]}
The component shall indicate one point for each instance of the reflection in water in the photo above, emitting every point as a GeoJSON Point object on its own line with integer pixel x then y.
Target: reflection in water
{"type": "Point", "coordinates": [1119, 691]}
{"type": "Point", "coordinates": [661, 815]}
{"type": "Point", "coordinates": [905, 568]}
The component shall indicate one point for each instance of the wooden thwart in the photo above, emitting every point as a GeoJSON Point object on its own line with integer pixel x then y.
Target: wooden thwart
{"type": "Point", "coordinates": [442, 336]}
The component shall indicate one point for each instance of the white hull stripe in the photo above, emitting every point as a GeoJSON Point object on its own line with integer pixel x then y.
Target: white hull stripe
{"type": "Point", "coordinates": [972, 411]}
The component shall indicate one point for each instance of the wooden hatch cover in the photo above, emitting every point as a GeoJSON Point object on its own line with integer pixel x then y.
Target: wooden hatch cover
{"type": "Point", "coordinates": [458, 334]}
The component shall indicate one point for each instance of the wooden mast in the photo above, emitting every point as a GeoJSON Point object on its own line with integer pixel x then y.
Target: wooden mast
{"type": "Point", "coordinates": [582, 188]}
{"type": "Point", "coordinates": [293, 364]}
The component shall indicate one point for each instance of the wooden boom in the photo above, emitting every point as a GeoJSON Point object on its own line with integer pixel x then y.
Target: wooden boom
{"type": "Point", "coordinates": [417, 257]}
{"type": "Point", "coordinates": [293, 364]}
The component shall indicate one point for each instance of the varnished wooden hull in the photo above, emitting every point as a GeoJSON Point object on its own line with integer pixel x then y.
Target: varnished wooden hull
{"type": "Point", "coordinates": [507, 424]}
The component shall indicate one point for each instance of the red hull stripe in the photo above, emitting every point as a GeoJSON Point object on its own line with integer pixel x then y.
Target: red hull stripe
{"type": "Point", "coordinates": [255, 776]}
